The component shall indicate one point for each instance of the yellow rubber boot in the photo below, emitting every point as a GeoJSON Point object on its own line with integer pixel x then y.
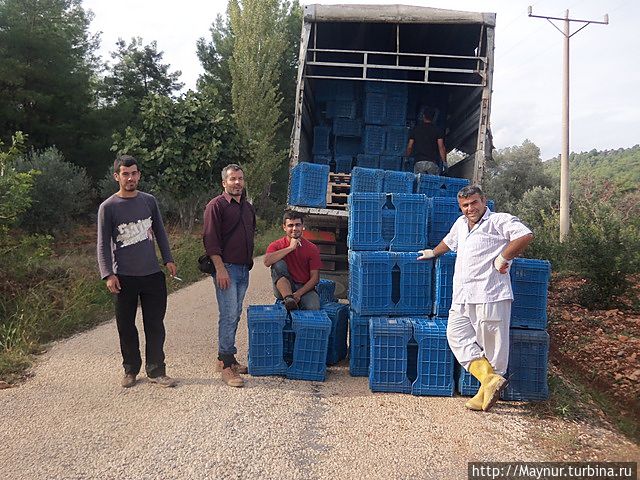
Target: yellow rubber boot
{"type": "Point", "coordinates": [491, 382]}
{"type": "Point", "coordinates": [475, 402]}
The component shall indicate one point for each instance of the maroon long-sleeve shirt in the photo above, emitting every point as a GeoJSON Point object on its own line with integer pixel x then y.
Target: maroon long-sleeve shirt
{"type": "Point", "coordinates": [221, 215]}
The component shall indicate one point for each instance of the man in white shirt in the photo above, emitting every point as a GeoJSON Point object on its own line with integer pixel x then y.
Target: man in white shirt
{"type": "Point", "coordinates": [478, 328]}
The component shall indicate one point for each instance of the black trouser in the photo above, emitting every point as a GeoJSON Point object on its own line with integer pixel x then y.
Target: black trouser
{"type": "Point", "coordinates": [152, 291]}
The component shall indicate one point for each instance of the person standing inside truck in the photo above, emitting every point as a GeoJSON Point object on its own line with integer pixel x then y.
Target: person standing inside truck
{"type": "Point", "coordinates": [295, 265]}
{"type": "Point", "coordinates": [229, 230]}
{"type": "Point", "coordinates": [478, 327]}
{"type": "Point", "coordinates": [426, 140]}
{"type": "Point", "coordinates": [129, 225]}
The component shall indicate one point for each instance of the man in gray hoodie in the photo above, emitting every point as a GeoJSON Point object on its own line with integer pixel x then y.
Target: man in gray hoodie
{"type": "Point", "coordinates": [128, 223]}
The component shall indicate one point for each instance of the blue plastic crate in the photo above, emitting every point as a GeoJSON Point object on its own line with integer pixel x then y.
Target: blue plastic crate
{"type": "Point", "coordinates": [388, 354]}
{"type": "Point", "coordinates": [308, 185]}
{"type": "Point", "coordinates": [528, 361]}
{"type": "Point", "coordinates": [388, 224]}
{"type": "Point", "coordinates": [373, 139]}
{"type": "Point", "coordinates": [347, 146]}
{"type": "Point", "coordinates": [411, 221]}
{"type": "Point", "coordinates": [366, 180]}
{"type": "Point", "coordinates": [370, 282]}
{"type": "Point", "coordinates": [321, 140]}
{"type": "Point", "coordinates": [342, 109]}
{"type": "Point", "coordinates": [375, 87]}
{"type": "Point", "coordinates": [391, 162]}
{"type": "Point", "coordinates": [435, 359]}
{"type": "Point", "coordinates": [288, 342]}
{"type": "Point", "coordinates": [375, 108]}
{"type": "Point", "coordinates": [346, 89]}
{"type": "Point", "coordinates": [338, 313]}
{"type": "Point", "coordinates": [312, 329]}
{"type": "Point", "coordinates": [467, 384]}
{"type": "Point", "coordinates": [398, 90]}
{"type": "Point", "coordinates": [322, 159]}
{"type": "Point", "coordinates": [444, 213]}
{"type": "Point", "coordinates": [398, 182]}
{"type": "Point", "coordinates": [415, 284]}
{"type": "Point", "coordinates": [396, 140]}
{"type": "Point", "coordinates": [530, 284]}
{"type": "Point", "coordinates": [265, 324]}
{"type": "Point", "coordinates": [347, 127]}
{"type": "Point", "coordinates": [443, 293]}
{"type": "Point", "coordinates": [359, 345]}
{"type": "Point", "coordinates": [326, 291]}
{"type": "Point", "coordinates": [365, 221]}
{"type": "Point", "coordinates": [437, 186]}
{"type": "Point", "coordinates": [343, 163]}
{"type": "Point", "coordinates": [367, 161]}
{"type": "Point", "coordinates": [396, 111]}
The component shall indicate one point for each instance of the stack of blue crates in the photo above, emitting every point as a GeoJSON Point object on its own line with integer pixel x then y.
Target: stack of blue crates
{"type": "Point", "coordinates": [308, 185]}
{"type": "Point", "coordinates": [528, 339]}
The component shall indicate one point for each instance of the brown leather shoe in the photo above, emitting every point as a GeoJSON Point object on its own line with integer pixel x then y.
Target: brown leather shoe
{"type": "Point", "coordinates": [128, 381]}
{"type": "Point", "coordinates": [290, 303]}
{"type": "Point", "coordinates": [238, 367]}
{"type": "Point", "coordinates": [163, 381]}
{"type": "Point", "coordinates": [232, 378]}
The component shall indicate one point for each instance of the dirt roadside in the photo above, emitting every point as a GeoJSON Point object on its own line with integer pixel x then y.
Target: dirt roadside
{"type": "Point", "coordinates": [72, 420]}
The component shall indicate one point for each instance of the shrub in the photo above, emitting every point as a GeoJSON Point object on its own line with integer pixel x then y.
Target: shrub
{"type": "Point", "coordinates": [61, 192]}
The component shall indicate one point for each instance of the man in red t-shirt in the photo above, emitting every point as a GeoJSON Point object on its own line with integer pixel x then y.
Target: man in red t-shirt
{"type": "Point", "coordinates": [295, 264]}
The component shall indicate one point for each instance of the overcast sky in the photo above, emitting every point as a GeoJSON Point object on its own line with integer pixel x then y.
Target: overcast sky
{"type": "Point", "coordinates": [527, 88]}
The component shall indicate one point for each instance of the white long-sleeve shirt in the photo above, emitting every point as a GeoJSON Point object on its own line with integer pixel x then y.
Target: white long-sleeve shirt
{"type": "Point", "coordinates": [475, 280]}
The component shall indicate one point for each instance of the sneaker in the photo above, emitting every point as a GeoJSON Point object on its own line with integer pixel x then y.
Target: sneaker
{"type": "Point", "coordinates": [232, 378]}
{"type": "Point", "coordinates": [163, 381]}
{"type": "Point", "coordinates": [128, 381]}
{"type": "Point", "coordinates": [238, 367]}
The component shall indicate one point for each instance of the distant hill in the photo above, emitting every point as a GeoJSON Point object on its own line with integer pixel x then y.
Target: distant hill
{"type": "Point", "coordinates": [621, 166]}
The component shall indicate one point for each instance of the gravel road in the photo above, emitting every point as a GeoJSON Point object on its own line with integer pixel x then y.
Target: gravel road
{"type": "Point", "coordinates": [72, 419]}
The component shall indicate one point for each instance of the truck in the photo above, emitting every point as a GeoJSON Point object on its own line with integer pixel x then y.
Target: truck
{"type": "Point", "coordinates": [441, 58]}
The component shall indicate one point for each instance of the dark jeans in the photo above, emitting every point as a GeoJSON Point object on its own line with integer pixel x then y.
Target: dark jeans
{"type": "Point", "coordinates": [152, 291]}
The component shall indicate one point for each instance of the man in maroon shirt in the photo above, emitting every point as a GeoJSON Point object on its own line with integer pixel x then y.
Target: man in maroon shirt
{"type": "Point", "coordinates": [229, 228]}
{"type": "Point", "coordinates": [295, 264]}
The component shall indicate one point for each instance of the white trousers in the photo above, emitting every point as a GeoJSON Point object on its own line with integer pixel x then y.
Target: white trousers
{"type": "Point", "coordinates": [477, 330]}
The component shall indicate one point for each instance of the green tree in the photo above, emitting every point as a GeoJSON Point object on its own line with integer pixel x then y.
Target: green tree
{"type": "Point", "coordinates": [182, 146]}
{"type": "Point", "coordinates": [46, 66]}
{"type": "Point", "coordinates": [14, 186]}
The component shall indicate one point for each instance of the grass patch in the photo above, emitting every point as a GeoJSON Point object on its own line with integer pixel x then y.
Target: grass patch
{"type": "Point", "coordinates": [62, 293]}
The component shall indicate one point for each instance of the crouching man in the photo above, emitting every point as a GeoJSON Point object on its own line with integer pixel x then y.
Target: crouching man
{"type": "Point", "coordinates": [295, 264]}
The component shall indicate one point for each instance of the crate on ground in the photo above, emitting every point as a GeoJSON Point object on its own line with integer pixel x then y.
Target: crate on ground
{"type": "Point", "coordinates": [443, 284]}
{"type": "Point", "coordinates": [528, 361]}
{"type": "Point", "coordinates": [322, 159]}
{"type": "Point", "coordinates": [411, 221]}
{"type": "Point", "coordinates": [338, 313]}
{"type": "Point", "coordinates": [321, 140]}
{"type": "Point", "coordinates": [347, 127]}
{"type": "Point", "coordinates": [375, 108]}
{"type": "Point", "coordinates": [396, 140]}
{"type": "Point", "coordinates": [338, 189]}
{"type": "Point", "coordinates": [391, 162]}
{"type": "Point", "coordinates": [344, 163]}
{"type": "Point", "coordinates": [437, 186]}
{"type": "Point", "coordinates": [365, 221]}
{"type": "Point", "coordinates": [389, 283]}
{"type": "Point", "coordinates": [466, 383]}
{"type": "Point", "coordinates": [326, 291]}
{"type": "Point", "coordinates": [388, 354]}
{"type": "Point", "coordinates": [312, 329]}
{"type": "Point", "coordinates": [444, 213]}
{"type": "Point", "coordinates": [308, 185]}
{"type": "Point", "coordinates": [434, 373]}
{"type": "Point", "coordinates": [530, 284]}
{"type": "Point", "coordinates": [366, 180]}
{"type": "Point", "coordinates": [342, 109]}
{"type": "Point", "coordinates": [359, 345]}
{"type": "Point", "coordinates": [398, 182]}
{"type": "Point", "coordinates": [367, 161]}
{"type": "Point", "coordinates": [266, 349]}
{"type": "Point", "coordinates": [373, 139]}
{"type": "Point", "coordinates": [347, 146]}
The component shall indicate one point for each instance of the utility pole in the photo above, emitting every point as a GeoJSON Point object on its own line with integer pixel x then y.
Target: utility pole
{"type": "Point", "coordinates": [564, 157]}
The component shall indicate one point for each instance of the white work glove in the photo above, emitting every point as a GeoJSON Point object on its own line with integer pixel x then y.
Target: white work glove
{"type": "Point", "coordinates": [426, 254]}
{"type": "Point", "coordinates": [501, 264]}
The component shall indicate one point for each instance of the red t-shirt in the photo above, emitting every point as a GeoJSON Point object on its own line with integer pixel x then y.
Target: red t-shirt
{"type": "Point", "coordinates": [301, 261]}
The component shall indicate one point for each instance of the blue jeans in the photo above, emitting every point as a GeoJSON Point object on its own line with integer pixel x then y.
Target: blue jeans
{"type": "Point", "coordinates": [308, 301]}
{"type": "Point", "coordinates": [230, 307]}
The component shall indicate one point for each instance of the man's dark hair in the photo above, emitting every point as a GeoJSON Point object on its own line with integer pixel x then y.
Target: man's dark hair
{"type": "Point", "coordinates": [124, 161]}
{"type": "Point", "coordinates": [232, 166]}
{"type": "Point", "coordinates": [428, 113]}
{"type": "Point", "coordinates": [292, 215]}
{"type": "Point", "coordinates": [469, 191]}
